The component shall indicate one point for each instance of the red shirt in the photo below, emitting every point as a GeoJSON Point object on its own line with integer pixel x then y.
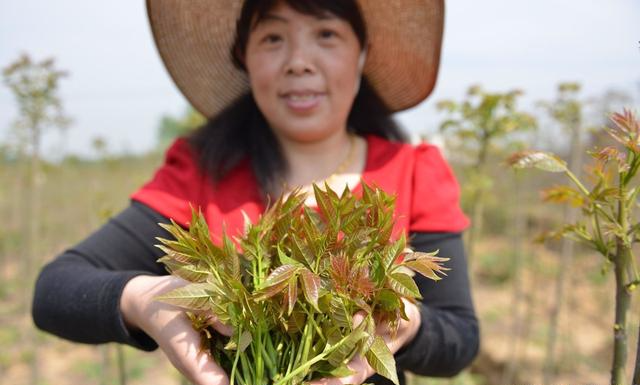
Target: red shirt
{"type": "Point", "coordinates": [426, 190]}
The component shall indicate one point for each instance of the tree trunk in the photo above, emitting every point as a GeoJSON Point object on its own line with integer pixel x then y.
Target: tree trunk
{"type": "Point", "coordinates": [477, 211]}
{"type": "Point", "coordinates": [477, 205]}
{"type": "Point", "coordinates": [519, 219]}
{"type": "Point", "coordinates": [122, 369]}
{"type": "Point", "coordinates": [33, 236]}
{"type": "Point", "coordinates": [105, 364]}
{"type": "Point", "coordinates": [566, 262]}
{"type": "Point", "coordinates": [636, 371]}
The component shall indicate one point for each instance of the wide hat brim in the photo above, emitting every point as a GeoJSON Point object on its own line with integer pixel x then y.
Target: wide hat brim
{"type": "Point", "coordinates": [194, 39]}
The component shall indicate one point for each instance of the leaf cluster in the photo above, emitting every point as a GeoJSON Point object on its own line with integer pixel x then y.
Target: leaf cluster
{"type": "Point", "coordinates": [35, 86]}
{"type": "Point", "coordinates": [485, 118]}
{"type": "Point", "coordinates": [293, 290]}
{"type": "Point", "coordinates": [609, 204]}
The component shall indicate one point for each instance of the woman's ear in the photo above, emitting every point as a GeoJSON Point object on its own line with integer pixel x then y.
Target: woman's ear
{"type": "Point", "coordinates": [237, 56]}
{"type": "Point", "coordinates": [362, 60]}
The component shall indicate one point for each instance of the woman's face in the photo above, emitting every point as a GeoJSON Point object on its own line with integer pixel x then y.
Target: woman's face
{"type": "Point", "coordinates": [303, 72]}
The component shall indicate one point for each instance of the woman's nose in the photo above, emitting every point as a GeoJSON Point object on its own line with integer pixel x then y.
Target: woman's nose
{"type": "Point", "coordinates": [300, 60]}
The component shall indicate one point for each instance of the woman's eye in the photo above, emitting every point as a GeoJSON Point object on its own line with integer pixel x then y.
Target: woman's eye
{"type": "Point", "coordinates": [272, 39]}
{"type": "Point", "coordinates": [327, 34]}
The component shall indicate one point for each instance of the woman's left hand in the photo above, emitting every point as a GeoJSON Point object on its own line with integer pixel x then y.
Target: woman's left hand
{"type": "Point", "coordinates": [361, 370]}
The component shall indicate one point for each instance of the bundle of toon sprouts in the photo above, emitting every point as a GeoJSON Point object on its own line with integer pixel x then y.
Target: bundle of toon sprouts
{"type": "Point", "coordinates": [291, 295]}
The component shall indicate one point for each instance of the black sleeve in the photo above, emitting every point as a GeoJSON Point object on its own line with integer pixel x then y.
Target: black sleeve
{"type": "Point", "coordinates": [448, 338]}
{"type": "Point", "coordinates": [77, 295]}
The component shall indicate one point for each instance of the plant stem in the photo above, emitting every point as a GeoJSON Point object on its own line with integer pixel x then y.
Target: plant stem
{"type": "Point", "coordinates": [232, 377]}
{"type": "Point", "coordinates": [577, 182]}
{"type": "Point", "coordinates": [623, 298]}
{"type": "Point", "coordinates": [122, 371]}
{"type": "Point", "coordinates": [636, 371]}
{"type": "Point", "coordinates": [312, 361]}
{"type": "Point", "coordinates": [620, 328]}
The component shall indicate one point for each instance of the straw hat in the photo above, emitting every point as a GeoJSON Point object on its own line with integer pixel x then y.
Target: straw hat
{"type": "Point", "coordinates": [194, 39]}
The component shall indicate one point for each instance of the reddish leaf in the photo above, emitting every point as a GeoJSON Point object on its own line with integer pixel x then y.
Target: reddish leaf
{"type": "Point", "coordinates": [310, 287]}
{"type": "Point", "coordinates": [292, 294]}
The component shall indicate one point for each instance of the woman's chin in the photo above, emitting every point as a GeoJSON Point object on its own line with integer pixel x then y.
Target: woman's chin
{"type": "Point", "coordinates": [307, 133]}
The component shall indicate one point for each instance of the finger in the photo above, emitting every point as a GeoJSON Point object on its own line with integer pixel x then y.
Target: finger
{"type": "Point", "coordinates": [220, 327]}
{"type": "Point", "coordinates": [406, 329]}
{"type": "Point", "coordinates": [184, 351]}
{"type": "Point", "coordinates": [361, 370]}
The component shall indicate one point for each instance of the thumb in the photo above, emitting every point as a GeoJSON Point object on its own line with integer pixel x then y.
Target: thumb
{"type": "Point", "coordinates": [358, 318]}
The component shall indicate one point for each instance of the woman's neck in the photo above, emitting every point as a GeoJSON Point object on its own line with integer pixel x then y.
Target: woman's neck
{"type": "Point", "coordinates": [339, 159]}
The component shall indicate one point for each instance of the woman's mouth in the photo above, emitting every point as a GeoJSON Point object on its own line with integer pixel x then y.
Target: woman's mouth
{"type": "Point", "coordinates": [302, 101]}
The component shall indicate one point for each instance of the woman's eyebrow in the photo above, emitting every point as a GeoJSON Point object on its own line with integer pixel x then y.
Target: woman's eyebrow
{"type": "Point", "coordinates": [272, 17]}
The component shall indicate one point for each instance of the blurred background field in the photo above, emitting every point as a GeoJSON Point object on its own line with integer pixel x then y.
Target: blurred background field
{"type": "Point", "coordinates": [123, 111]}
{"type": "Point", "coordinates": [513, 284]}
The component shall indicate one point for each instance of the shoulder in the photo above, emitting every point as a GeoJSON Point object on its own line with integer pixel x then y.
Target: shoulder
{"type": "Point", "coordinates": [175, 185]}
{"type": "Point", "coordinates": [426, 188]}
{"type": "Point", "coordinates": [421, 158]}
{"type": "Point", "coordinates": [436, 193]}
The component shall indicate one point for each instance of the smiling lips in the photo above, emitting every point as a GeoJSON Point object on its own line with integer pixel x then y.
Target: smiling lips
{"type": "Point", "coordinates": [302, 101]}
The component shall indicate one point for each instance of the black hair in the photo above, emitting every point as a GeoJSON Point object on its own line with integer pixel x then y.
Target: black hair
{"type": "Point", "coordinates": [241, 129]}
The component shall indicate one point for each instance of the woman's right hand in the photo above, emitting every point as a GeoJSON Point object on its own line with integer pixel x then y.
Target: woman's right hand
{"type": "Point", "coordinates": [169, 326]}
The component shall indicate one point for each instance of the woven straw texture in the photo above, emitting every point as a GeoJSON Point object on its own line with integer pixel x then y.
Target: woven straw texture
{"type": "Point", "coordinates": [194, 39]}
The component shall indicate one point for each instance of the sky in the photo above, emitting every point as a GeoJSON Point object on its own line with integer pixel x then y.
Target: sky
{"type": "Point", "coordinates": [118, 88]}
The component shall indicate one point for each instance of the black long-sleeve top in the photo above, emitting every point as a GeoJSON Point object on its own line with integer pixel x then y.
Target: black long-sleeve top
{"type": "Point", "coordinates": [77, 295]}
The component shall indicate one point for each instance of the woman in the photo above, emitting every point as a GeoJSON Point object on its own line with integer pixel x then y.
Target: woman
{"type": "Point", "coordinates": [291, 107]}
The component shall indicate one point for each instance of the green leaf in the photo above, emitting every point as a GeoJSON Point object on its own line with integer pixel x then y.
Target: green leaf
{"type": "Point", "coordinates": [192, 273]}
{"type": "Point", "coordinates": [172, 251]}
{"type": "Point", "coordinates": [232, 259]}
{"type": "Point", "coordinates": [381, 360]}
{"type": "Point", "coordinates": [393, 251]}
{"type": "Point", "coordinates": [324, 202]}
{"type": "Point", "coordinates": [404, 285]}
{"type": "Point", "coordinates": [244, 341]}
{"type": "Point", "coordinates": [192, 297]}
{"type": "Point", "coordinates": [281, 274]}
{"type": "Point", "coordinates": [427, 264]}
{"type": "Point", "coordinates": [564, 194]}
{"type": "Point", "coordinates": [239, 343]}
{"type": "Point", "coordinates": [277, 281]}
{"type": "Point", "coordinates": [302, 248]}
{"type": "Point", "coordinates": [341, 371]}
{"type": "Point", "coordinates": [296, 321]}
{"type": "Point", "coordinates": [339, 313]}
{"type": "Point", "coordinates": [388, 299]}
{"type": "Point", "coordinates": [285, 259]}
{"type": "Point", "coordinates": [345, 347]}
{"type": "Point", "coordinates": [537, 159]}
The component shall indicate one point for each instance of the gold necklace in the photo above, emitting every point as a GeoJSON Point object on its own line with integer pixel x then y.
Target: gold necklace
{"type": "Point", "coordinates": [339, 170]}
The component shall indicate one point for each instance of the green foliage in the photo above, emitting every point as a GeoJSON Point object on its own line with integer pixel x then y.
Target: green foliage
{"type": "Point", "coordinates": [566, 109]}
{"type": "Point", "coordinates": [172, 127]}
{"type": "Point", "coordinates": [484, 120]}
{"type": "Point", "coordinates": [481, 125]}
{"type": "Point", "coordinates": [612, 194]}
{"type": "Point", "coordinates": [609, 223]}
{"type": "Point", "coordinates": [35, 88]}
{"type": "Point", "coordinates": [292, 294]}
